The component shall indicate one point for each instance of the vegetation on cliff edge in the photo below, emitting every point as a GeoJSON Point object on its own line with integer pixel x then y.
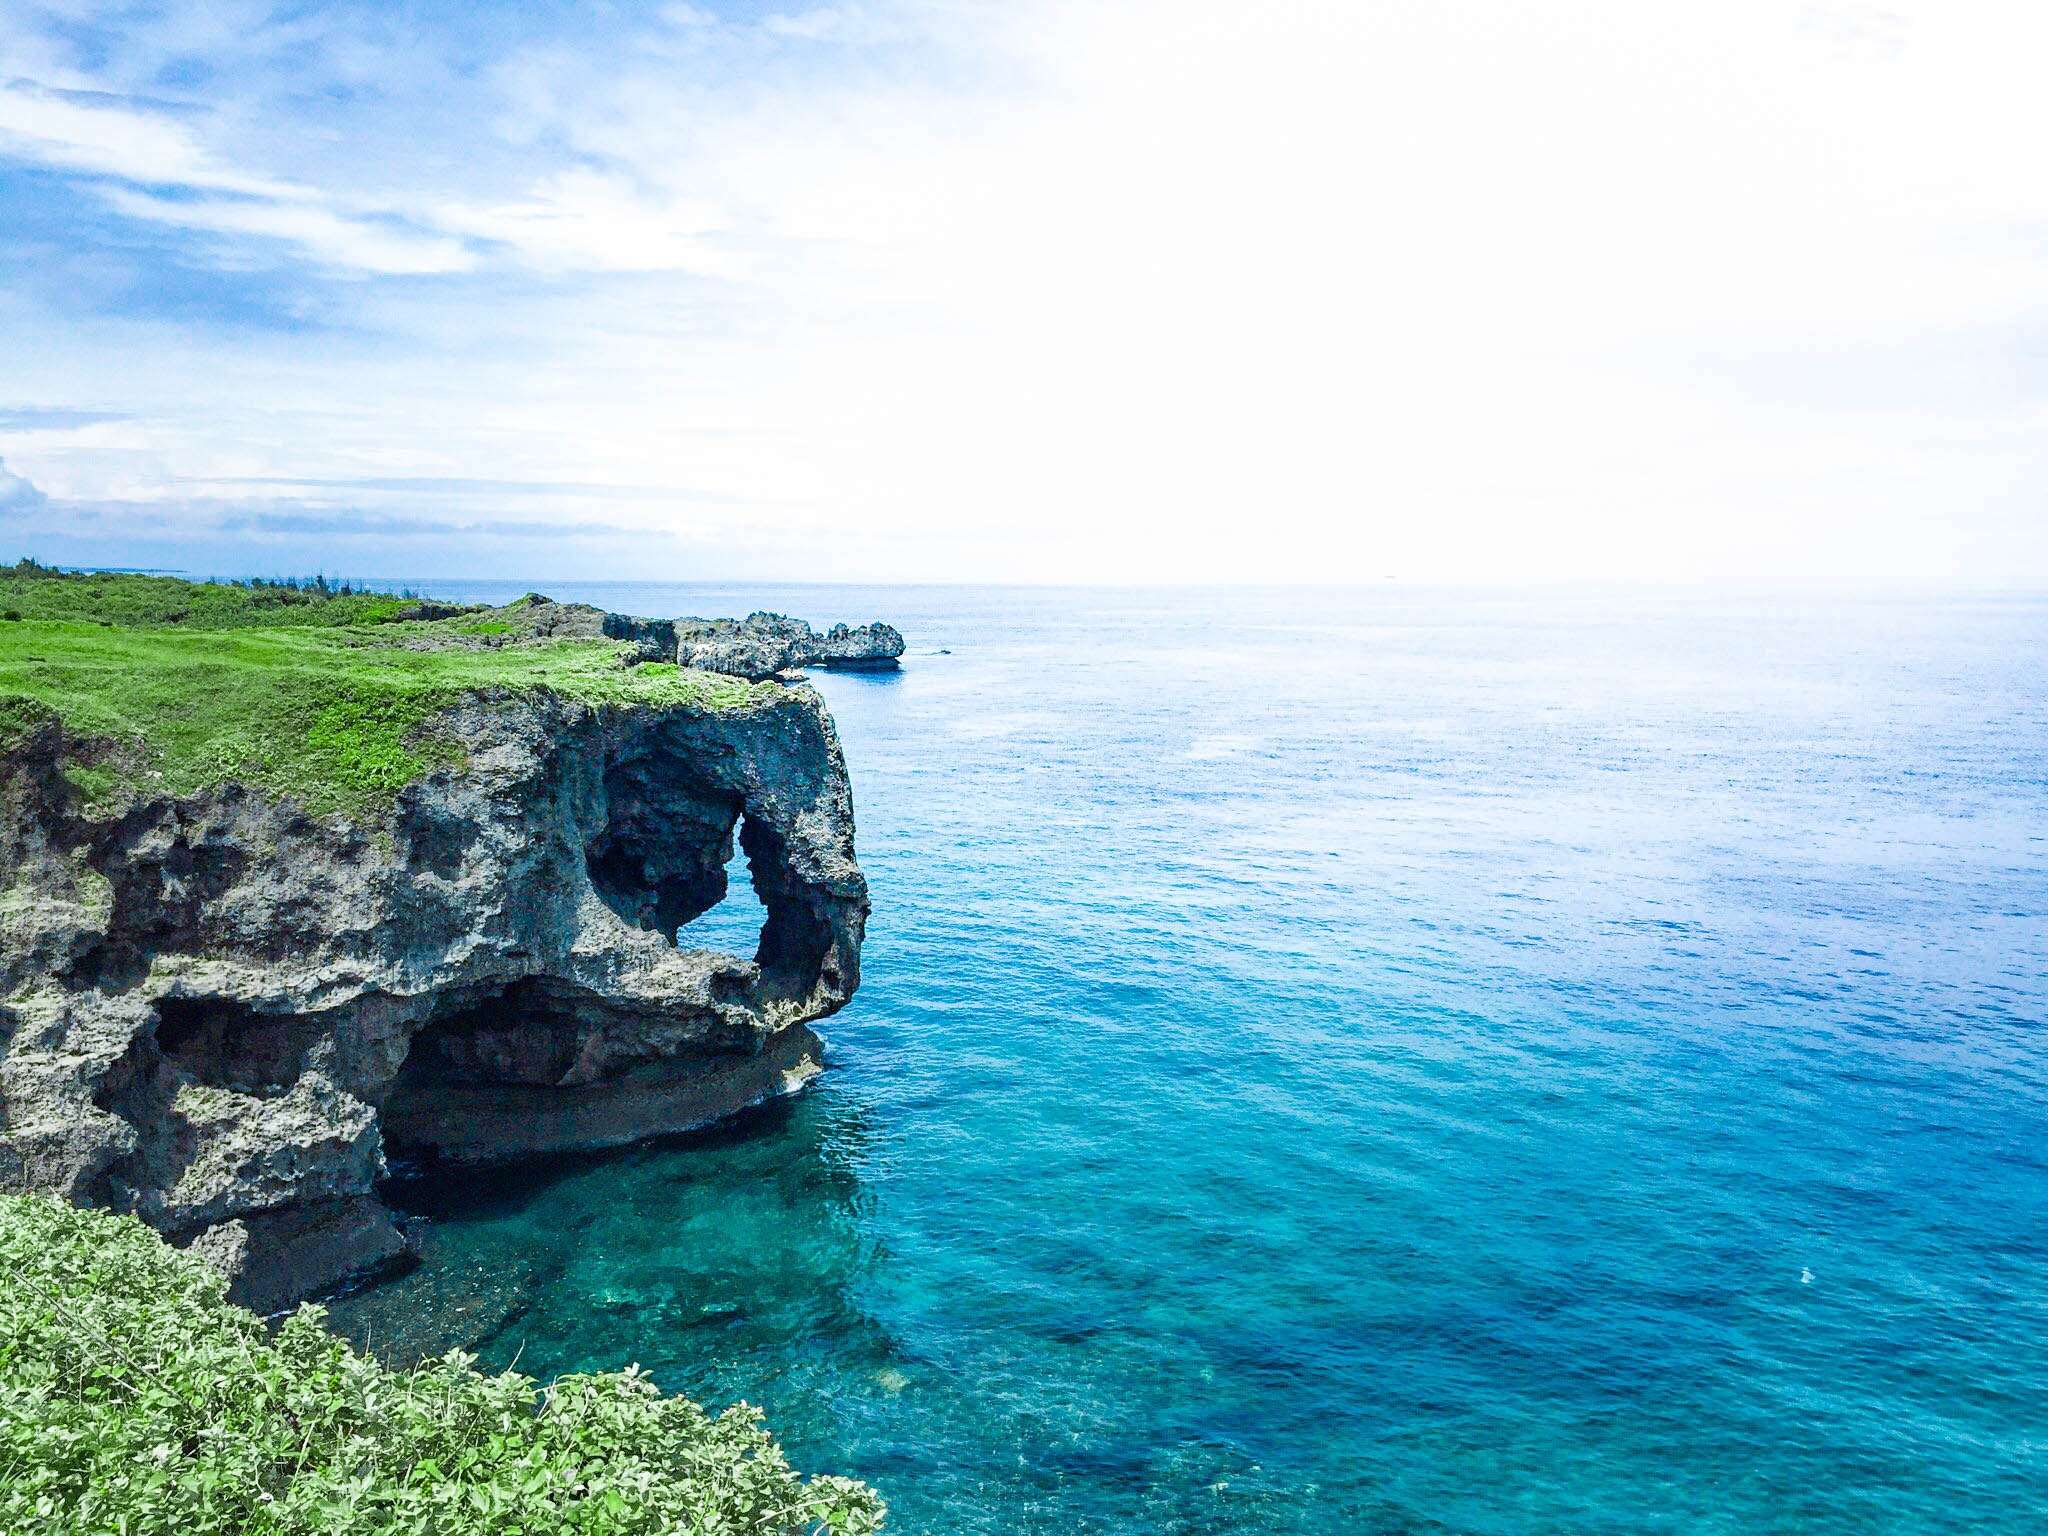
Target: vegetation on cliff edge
{"type": "Point", "coordinates": [135, 1399]}
{"type": "Point", "coordinates": [31, 592]}
{"type": "Point", "coordinates": [336, 709]}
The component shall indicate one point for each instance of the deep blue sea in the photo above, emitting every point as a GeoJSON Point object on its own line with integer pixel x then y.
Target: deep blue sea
{"type": "Point", "coordinates": [1374, 1061]}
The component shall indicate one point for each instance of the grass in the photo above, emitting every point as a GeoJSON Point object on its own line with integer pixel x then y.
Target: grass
{"type": "Point", "coordinates": [135, 1399]}
{"type": "Point", "coordinates": [338, 715]}
{"type": "Point", "coordinates": [31, 592]}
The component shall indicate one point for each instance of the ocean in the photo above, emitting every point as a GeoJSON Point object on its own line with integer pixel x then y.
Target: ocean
{"type": "Point", "coordinates": [1373, 1061]}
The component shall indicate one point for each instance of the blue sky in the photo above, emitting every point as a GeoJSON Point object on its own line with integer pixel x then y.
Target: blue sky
{"type": "Point", "coordinates": [937, 289]}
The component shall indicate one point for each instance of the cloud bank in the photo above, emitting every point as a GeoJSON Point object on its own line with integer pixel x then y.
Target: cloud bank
{"type": "Point", "coordinates": [18, 495]}
{"type": "Point", "coordinates": [1121, 290]}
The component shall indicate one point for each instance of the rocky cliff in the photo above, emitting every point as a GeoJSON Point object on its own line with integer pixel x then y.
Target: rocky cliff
{"type": "Point", "coordinates": [225, 1013]}
{"type": "Point", "coordinates": [763, 644]}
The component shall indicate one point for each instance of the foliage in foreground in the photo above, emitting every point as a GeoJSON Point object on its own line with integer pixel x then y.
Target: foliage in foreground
{"type": "Point", "coordinates": [134, 1399]}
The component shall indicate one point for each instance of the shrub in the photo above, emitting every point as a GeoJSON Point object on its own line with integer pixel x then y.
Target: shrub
{"type": "Point", "coordinates": [135, 1399]}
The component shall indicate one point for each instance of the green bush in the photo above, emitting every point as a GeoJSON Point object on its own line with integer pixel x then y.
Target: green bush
{"type": "Point", "coordinates": [135, 1400]}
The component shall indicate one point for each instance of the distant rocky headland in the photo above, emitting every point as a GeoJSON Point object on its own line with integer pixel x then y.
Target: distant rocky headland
{"type": "Point", "coordinates": [294, 879]}
{"type": "Point", "coordinates": [763, 644]}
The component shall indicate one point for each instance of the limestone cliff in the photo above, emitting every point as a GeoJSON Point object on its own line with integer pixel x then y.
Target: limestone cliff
{"type": "Point", "coordinates": [763, 644]}
{"type": "Point", "coordinates": [224, 1013]}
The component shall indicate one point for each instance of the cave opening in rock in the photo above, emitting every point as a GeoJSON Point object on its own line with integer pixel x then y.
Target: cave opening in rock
{"type": "Point", "coordinates": [663, 861]}
{"type": "Point", "coordinates": [544, 1064]}
{"type": "Point", "coordinates": [692, 866]}
{"type": "Point", "coordinates": [733, 925]}
{"type": "Point", "coordinates": [214, 1041]}
{"type": "Point", "coordinates": [527, 1033]}
{"type": "Point", "coordinates": [227, 1044]}
{"type": "Point", "coordinates": [767, 913]}
{"type": "Point", "coordinates": [797, 936]}
{"type": "Point", "coordinates": [660, 868]}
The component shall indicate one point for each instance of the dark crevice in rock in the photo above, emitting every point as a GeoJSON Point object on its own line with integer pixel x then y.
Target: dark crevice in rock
{"type": "Point", "coordinates": [516, 1036]}
{"type": "Point", "coordinates": [129, 1088]}
{"type": "Point", "coordinates": [660, 860]}
{"type": "Point", "coordinates": [228, 1045]}
{"type": "Point", "coordinates": [435, 845]}
{"type": "Point", "coordinates": [460, 1120]}
{"type": "Point", "coordinates": [542, 1032]}
{"type": "Point", "coordinates": [161, 883]}
{"type": "Point", "coordinates": [541, 1065]}
{"type": "Point", "coordinates": [138, 1090]}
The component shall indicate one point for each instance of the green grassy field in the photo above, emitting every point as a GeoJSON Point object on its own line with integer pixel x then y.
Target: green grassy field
{"type": "Point", "coordinates": [313, 698]}
{"type": "Point", "coordinates": [35, 592]}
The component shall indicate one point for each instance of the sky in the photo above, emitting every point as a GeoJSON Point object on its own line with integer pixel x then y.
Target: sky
{"type": "Point", "coordinates": [1040, 291]}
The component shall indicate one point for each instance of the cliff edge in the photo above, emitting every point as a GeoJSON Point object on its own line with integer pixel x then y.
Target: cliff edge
{"type": "Point", "coordinates": [436, 901]}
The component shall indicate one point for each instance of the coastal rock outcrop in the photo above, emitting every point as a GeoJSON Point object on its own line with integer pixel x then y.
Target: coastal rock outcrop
{"type": "Point", "coordinates": [225, 1014]}
{"type": "Point", "coordinates": [763, 644]}
{"type": "Point", "coordinates": [533, 617]}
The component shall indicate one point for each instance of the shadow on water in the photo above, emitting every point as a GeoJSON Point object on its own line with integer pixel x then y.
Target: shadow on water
{"type": "Point", "coordinates": [751, 1230]}
{"type": "Point", "coordinates": [878, 677]}
{"type": "Point", "coordinates": [431, 1188]}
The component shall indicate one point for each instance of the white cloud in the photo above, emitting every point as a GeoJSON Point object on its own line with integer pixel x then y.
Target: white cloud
{"type": "Point", "coordinates": [593, 222]}
{"type": "Point", "coordinates": [1129, 289]}
{"type": "Point", "coordinates": [808, 26]}
{"type": "Point", "coordinates": [17, 494]}
{"type": "Point", "coordinates": [578, 220]}
{"type": "Point", "coordinates": [147, 149]}
{"type": "Point", "coordinates": [352, 245]}
{"type": "Point", "coordinates": [1328, 290]}
{"type": "Point", "coordinates": [60, 130]}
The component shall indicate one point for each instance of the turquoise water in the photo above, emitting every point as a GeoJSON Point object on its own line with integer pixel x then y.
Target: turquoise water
{"type": "Point", "coordinates": [1375, 1062]}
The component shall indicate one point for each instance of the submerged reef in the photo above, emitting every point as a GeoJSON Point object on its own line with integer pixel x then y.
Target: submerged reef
{"type": "Point", "coordinates": [281, 899]}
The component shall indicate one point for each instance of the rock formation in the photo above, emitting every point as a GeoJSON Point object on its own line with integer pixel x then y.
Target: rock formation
{"type": "Point", "coordinates": [534, 617]}
{"type": "Point", "coordinates": [223, 1014]}
{"type": "Point", "coordinates": [763, 644]}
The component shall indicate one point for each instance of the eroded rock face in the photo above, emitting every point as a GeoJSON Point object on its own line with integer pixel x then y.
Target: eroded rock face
{"type": "Point", "coordinates": [223, 1014]}
{"type": "Point", "coordinates": [763, 644]}
{"type": "Point", "coordinates": [859, 647]}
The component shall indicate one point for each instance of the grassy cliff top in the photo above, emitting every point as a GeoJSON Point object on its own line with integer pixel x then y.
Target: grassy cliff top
{"type": "Point", "coordinates": [326, 696]}
{"type": "Point", "coordinates": [36, 592]}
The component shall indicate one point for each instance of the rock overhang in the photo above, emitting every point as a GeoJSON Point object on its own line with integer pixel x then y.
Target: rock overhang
{"type": "Point", "coordinates": [221, 1012]}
